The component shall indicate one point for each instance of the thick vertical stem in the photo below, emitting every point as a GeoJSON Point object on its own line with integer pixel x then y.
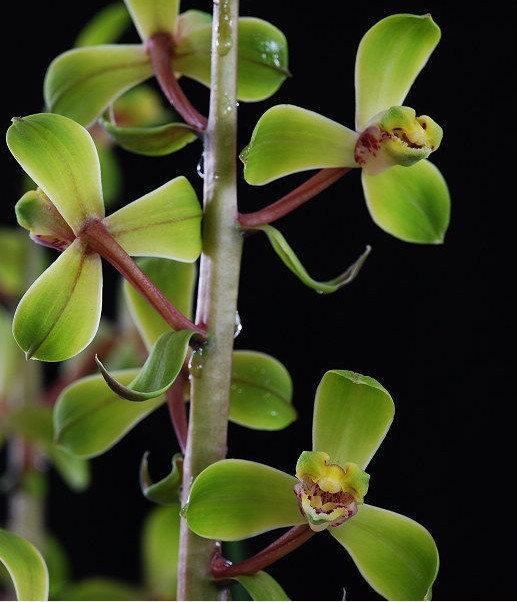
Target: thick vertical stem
{"type": "Point", "coordinates": [217, 297]}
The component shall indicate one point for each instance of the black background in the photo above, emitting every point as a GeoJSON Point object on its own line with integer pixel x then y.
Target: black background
{"type": "Point", "coordinates": [431, 323]}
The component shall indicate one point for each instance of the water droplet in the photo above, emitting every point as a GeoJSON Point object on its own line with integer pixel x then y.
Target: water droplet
{"type": "Point", "coordinates": [195, 364]}
{"type": "Point", "coordinates": [201, 166]}
{"type": "Point", "coordinates": [238, 325]}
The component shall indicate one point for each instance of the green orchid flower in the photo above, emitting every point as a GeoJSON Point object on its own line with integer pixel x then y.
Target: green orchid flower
{"type": "Point", "coordinates": [59, 315]}
{"type": "Point", "coordinates": [81, 83]}
{"type": "Point", "coordinates": [237, 499]}
{"type": "Point", "coordinates": [405, 193]}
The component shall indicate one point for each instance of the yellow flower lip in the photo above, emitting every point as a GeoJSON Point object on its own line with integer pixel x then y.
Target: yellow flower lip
{"type": "Point", "coordinates": [396, 137]}
{"type": "Point", "coordinates": [328, 494]}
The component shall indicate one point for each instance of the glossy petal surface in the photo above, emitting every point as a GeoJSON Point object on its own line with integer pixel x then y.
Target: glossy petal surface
{"type": "Point", "coordinates": [288, 139]}
{"type": "Point", "coordinates": [352, 414]}
{"type": "Point", "coordinates": [262, 62]}
{"type": "Point", "coordinates": [261, 586]}
{"type": "Point", "coordinates": [82, 82]}
{"type": "Point", "coordinates": [153, 16]}
{"type": "Point", "coordinates": [411, 203]}
{"type": "Point", "coordinates": [166, 491]}
{"type": "Point", "coordinates": [25, 566]}
{"type": "Point", "coordinates": [89, 418]}
{"type": "Point", "coordinates": [60, 156]}
{"type": "Point", "coordinates": [390, 56]}
{"type": "Point", "coordinates": [176, 280]}
{"type": "Point", "coordinates": [396, 555]}
{"type": "Point", "coordinates": [261, 392]}
{"type": "Point", "coordinates": [164, 223]}
{"type": "Point", "coordinates": [59, 315]}
{"type": "Point", "coordinates": [235, 499]}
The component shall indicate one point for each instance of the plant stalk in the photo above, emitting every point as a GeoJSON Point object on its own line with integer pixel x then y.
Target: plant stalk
{"type": "Point", "coordinates": [217, 297]}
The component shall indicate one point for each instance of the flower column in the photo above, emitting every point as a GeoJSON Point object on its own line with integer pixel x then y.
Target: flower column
{"type": "Point", "coordinates": [217, 298]}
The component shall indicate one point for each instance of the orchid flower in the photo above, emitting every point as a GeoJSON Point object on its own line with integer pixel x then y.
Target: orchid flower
{"type": "Point", "coordinates": [236, 499]}
{"type": "Point", "coordinates": [406, 194]}
{"type": "Point", "coordinates": [59, 315]}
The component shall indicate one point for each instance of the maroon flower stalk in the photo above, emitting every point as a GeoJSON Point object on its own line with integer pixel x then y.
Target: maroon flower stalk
{"type": "Point", "coordinates": [294, 538]}
{"type": "Point", "coordinates": [160, 47]}
{"type": "Point", "coordinates": [291, 201]}
{"type": "Point", "coordinates": [99, 240]}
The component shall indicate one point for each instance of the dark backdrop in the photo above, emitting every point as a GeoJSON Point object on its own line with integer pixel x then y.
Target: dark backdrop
{"type": "Point", "coordinates": [431, 323]}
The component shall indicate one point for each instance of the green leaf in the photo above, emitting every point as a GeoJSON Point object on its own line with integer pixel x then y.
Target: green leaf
{"type": "Point", "coordinates": [164, 223]}
{"type": "Point", "coordinates": [352, 414]}
{"type": "Point", "coordinates": [105, 27]}
{"type": "Point", "coordinates": [160, 370]}
{"type": "Point", "coordinates": [235, 499]}
{"type": "Point", "coordinates": [14, 244]}
{"type": "Point", "coordinates": [89, 418]}
{"type": "Point", "coordinates": [166, 491]}
{"type": "Point", "coordinates": [153, 16]}
{"type": "Point", "coordinates": [11, 358]}
{"type": "Point", "coordinates": [34, 423]}
{"type": "Point", "coordinates": [288, 139]}
{"type": "Point", "coordinates": [59, 315]}
{"type": "Point", "coordinates": [411, 203]}
{"type": "Point", "coordinates": [396, 555]}
{"type": "Point", "coordinates": [262, 55]}
{"type": "Point", "coordinates": [160, 545]}
{"type": "Point", "coordinates": [176, 280]}
{"type": "Point", "coordinates": [60, 156]}
{"type": "Point", "coordinates": [82, 82]}
{"type": "Point", "coordinates": [261, 392]}
{"type": "Point", "coordinates": [262, 586]}
{"type": "Point", "coordinates": [151, 141]}
{"type": "Point", "coordinates": [25, 566]}
{"type": "Point", "coordinates": [389, 58]}
{"type": "Point", "coordinates": [100, 588]}
{"type": "Point", "coordinates": [287, 255]}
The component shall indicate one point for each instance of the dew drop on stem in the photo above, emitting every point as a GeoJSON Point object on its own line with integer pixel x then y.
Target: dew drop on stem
{"type": "Point", "coordinates": [238, 325]}
{"type": "Point", "coordinates": [201, 166]}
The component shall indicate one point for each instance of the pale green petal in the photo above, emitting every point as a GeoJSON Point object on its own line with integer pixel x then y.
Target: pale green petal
{"type": "Point", "coordinates": [164, 223]}
{"type": "Point", "coordinates": [235, 499]}
{"type": "Point", "coordinates": [288, 139]}
{"type": "Point", "coordinates": [411, 203]}
{"type": "Point", "coordinates": [60, 156]}
{"type": "Point", "coordinates": [262, 56]}
{"type": "Point", "coordinates": [82, 82]}
{"type": "Point", "coordinates": [105, 27]}
{"type": "Point", "coordinates": [25, 566]}
{"type": "Point", "coordinates": [160, 548]}
{"type": "Point", "coordinates": [153, 16]}
{"type": "Point", "coordinates": [390, 56]}
{"type": "Point", "coordinates": [261, 586]}
{"type": "Point", "coordinates": [59, 315]}
{"type": "Point", "coordinates": [89, 418]}
{"type": "Point", "coordinates": [396, 555]}
{"type": "Point", "coordinates": [352, 414]}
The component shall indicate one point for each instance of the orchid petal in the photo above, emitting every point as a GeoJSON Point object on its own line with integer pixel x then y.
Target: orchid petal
{"type": "Point", "coordinates": [389, 58]}
{"type": "Point", "coordinates": [396, 555]}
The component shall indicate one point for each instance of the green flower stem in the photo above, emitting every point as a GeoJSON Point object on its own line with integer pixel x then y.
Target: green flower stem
{"type": "Point", "coordinates": [294, 538]}
{"type": "Point", "coordinates": [291, 201]}
{"type": "Point", "coordinates": [160, 47]}
{"type": "Point", "coordinates": [217, 297]}
{"type": "Point", "coordinates": [177, 408]}
{"type": "Point", "coordinates": [100, 241]}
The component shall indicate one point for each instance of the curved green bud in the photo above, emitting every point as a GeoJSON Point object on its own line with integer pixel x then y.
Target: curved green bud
{"type": "Point", "coordinates": [328, 494]}
{"type": "Point", "coordinates": [396, 137]}
{"type": "Point", "coordinates": [389, 58]}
